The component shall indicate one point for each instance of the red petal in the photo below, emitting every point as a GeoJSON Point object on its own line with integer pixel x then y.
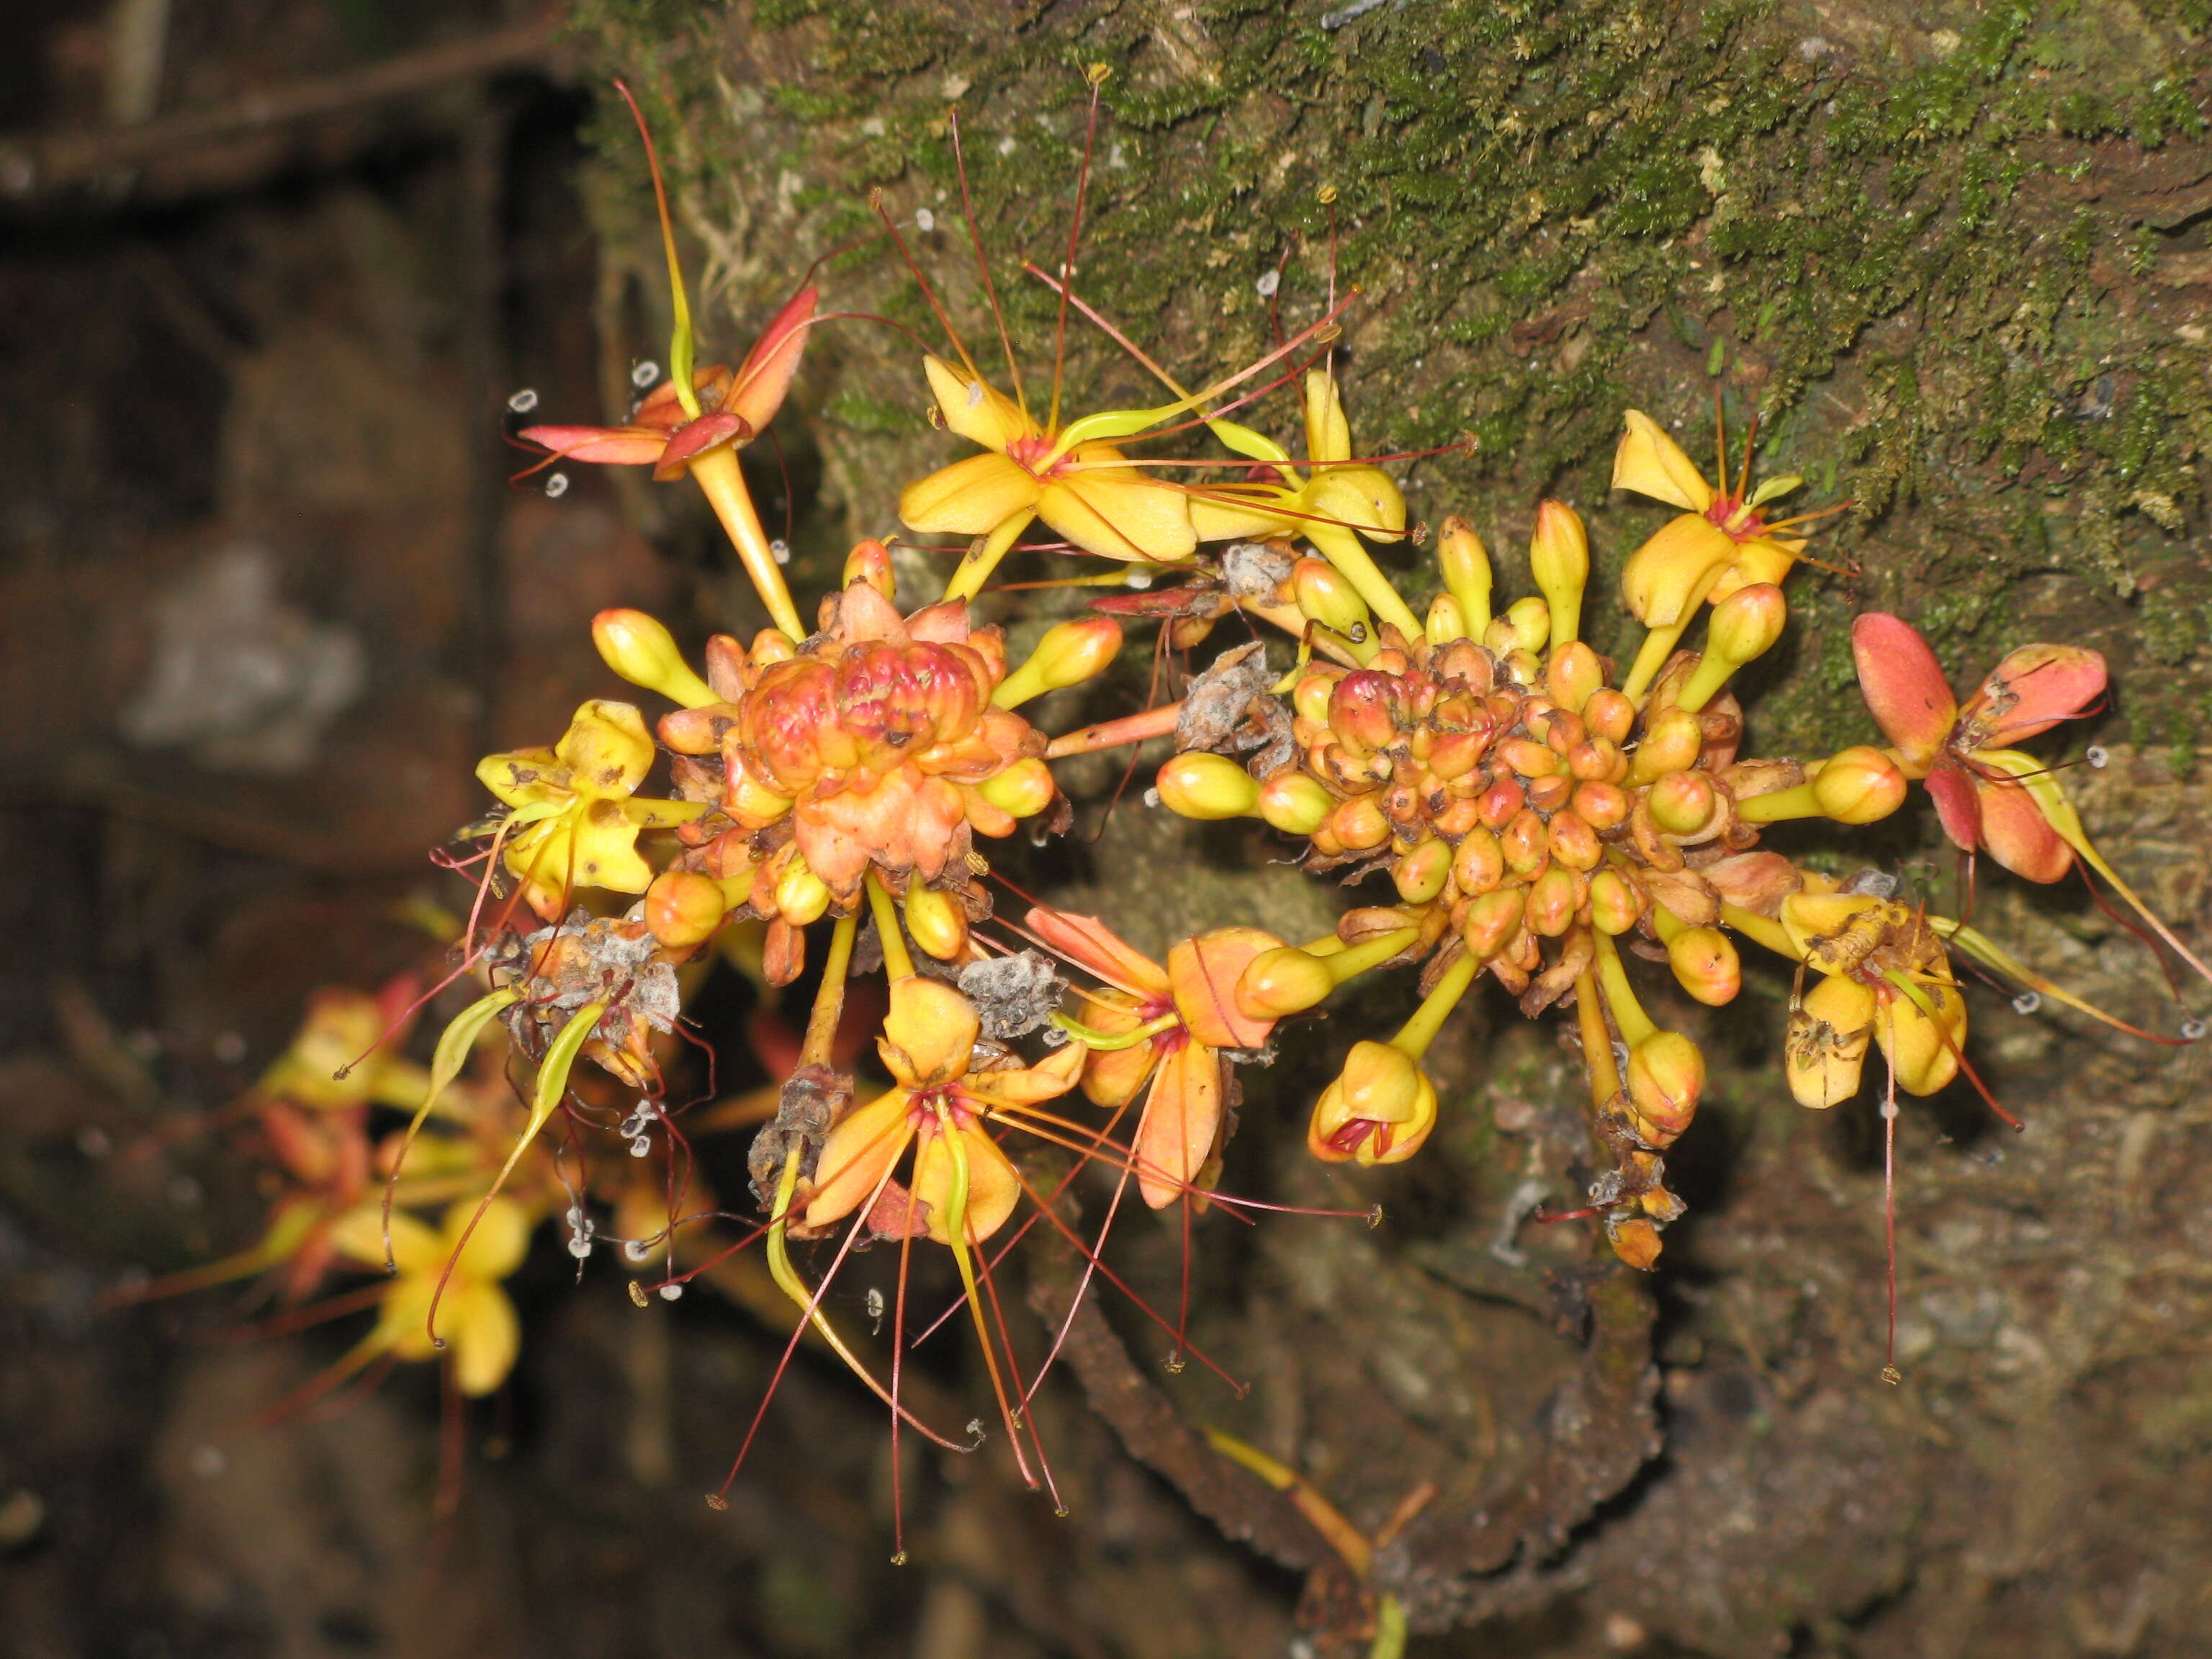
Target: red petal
{"type": "Point", "coordinates": [765, 375]}
{"type": "Point", "coordinates": [2017, 834]}
{"type": "Point", "coordinates": [605, 445]}
{"type": "Point", "coordinates": [696, 437]}
{"type": "Point", "coordinates": [1904, 686]}
{"type": "Point", "coordinates": [1953, 788]}
{"type": "Point", "coordinates": [2031, 691]}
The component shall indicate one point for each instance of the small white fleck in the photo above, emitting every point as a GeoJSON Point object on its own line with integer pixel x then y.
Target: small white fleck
{"type": "Point", "coordinates": [924, 220]}
{"type": "Point", "coordinates": [1139, 580]}
{"type": "Point", "coordinates": [781, 550]}
{"type": "Point", "coordinates": [2028, 1002]}
{"type": "Point", "coordinates": [639, 1147]}
{"type": "Point", "coordinates": [876, 1312]}
{"type": "Point", "coordinates": [229, 1048]}
{"type": "Point", "coordinates": [974, 394]}
{"type": "Point", "coordinates": [975, 1427]}
{"type": "Point", "coordinates": [2192, 1029]}
{"type": "Point", "coordinates": [873, 127]}
{"type": "Point", "coordinates": [2097, 756]}
{"type": "Point", "coordinates": [1889, 1110]}
{"type": "Point", "coordinates": [523, 401]}
{"type": "Point", "coordinates": [556, 485]}
{"type": "Point", "coordinates": [644, 372]}
{"type": "Point", "coordinates": [579, 1246]}
{"type": "Point", "coordinates": [635, 1250]}
{"type": "Point", "coordinates": [1007, 145]}
{"type": "Point", "coordinates": [671, 1292]}
{"type": "Point", "coordinates": [1151, 798]}
{"type": "Point", "coordinates": [1268, 283]}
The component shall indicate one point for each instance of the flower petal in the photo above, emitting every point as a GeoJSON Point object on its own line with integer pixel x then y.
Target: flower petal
{"type": "Point", "coordinates": [497, 1246]}
{"type": "Point", "coordinates": [483, 1337]}
{"type": "Point", "coordinates": [1093, 947]}
{"type": "Point", "coordinates": [978, 412]}
{"type": "Point", "coordinates": [1182, 1118]}
{"type": "Point", "coordinates": [1204, 971]}
{"type": "Point", "coordinates": [1228, 512]}
{"type": "Point", "coordinates": [856, 1156]}
{"type": "Point", "coordinates": [1328, 436]}
{"type": "Point", "coordinates": [765, 377]}
{"type": "Point", "coordinates": [1957, 803]}
{"type": "Point", "coordinates": [929, 1035]}
{"type": "Point", "coordinates": [607, 748]}
{"type": "Point", "coordinates": [1652, 464]}
{"type": "Point", "coordinates": [1904, 687]}
{"type": "Point", "coordinates": [695, 437]}
{"type": "Point", "coordinates": [2031, 690]}
{"type": "Point", "coordinates": [1049, 1078]}
{"type": "Point", "coordinates": [1826, 1047]}
{"type": "Point", "coordinates": [602, 446]}
{"type": "Point", "coordinates": [2017, 834]}
{"type": "Point", "coordinates": [969, 498]}
{"type": "Point", "coordinates": [358, 1235]}
{"type": "Point", "coordinates": [993, 1188]}
{"type": "Point", "coordinates": [1923, 1052]}
{"type": "Point", "coordinates": [1115, 511]}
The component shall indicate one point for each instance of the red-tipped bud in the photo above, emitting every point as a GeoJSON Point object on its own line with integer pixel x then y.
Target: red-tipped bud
{"type": "Point", "coordinates": [1496, 804]}
{"type": "Point", "coordinates": [1526, 844]}
{"type": "Point", "coordinates": [1705, 965]}
{"type": "Point", "coordinates": [1295, 804]}
{"type": "Point", "coordinates": [1574, 843]}
{"type": "Point", "coordinates": [1666, 1077]}
{"type": "Point", "coordinates": [1283, 981]}
{"type": "Point", "coordinates": [1601, 805]}
{"type": "Point", "coordinates": [1359, 824]}
{"type": "Point", "coordinates": [1574, 675]}
{"type": "Point", "coordinates": [1420, 875]}
{"type": "Point", "coordinates": [1379, 1110]}
{"type": "Point", "coordinates": [1858, 786]}
{"type": "Point", "coordinates": [1200, 785]}
{"type": "Point", "coordinates": [1609, 714]}
{"type": "Point", "coordinates": [642, 651]}
{"type": "Point", "coordinates": [1615, 903]}
{"type": "Point", "coordinates": [684, 909]}
{"type": "Point", "coordinates": [1361, 712]}
{"type": "Point", "coordinates": [870, 561]}
{"type": "Point", "coordinates": [1682, 803]}
{"type": "Point", "coordinates": [1069, 653]}
{"type": "Point", "coordinates": [1491, 920]}
{"type": "Point", "coordinates": [1558, 557]}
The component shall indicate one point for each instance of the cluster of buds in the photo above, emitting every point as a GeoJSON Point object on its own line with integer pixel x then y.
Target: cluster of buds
{"type": "Point", "coordinates": [883, 744]}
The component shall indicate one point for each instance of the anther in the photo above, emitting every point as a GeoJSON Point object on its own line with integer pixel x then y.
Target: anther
{"type": "Point", "coordinates": [644, 374]}
{"type": "Point", "coordinates": [781, 550]}
{"type": "Point", "coordinates": [717, 1503]}
{"type": "Point", "coordinates": [2028, 1002]}
{"type": "Point", "coordinates": [556, 485]}
{"type": "Point", "coordinates": [637, 1294]}
{"type": "Point", "coordinates": [2193, 1030]}
{"type": "Point", "coordinates": [2096, 754]}
{"type": "Point", "coordinates": [1269, 282]}
{"type": "Point", "coordinates": [924, 220]}
{"type": "Point", "coordinates": [671, 1292]}
{"type": "Point", "coordinates": [523, 401]}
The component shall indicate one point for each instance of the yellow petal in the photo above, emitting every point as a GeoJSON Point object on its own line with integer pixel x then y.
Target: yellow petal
{"type": "Point", "coordinates": [606, 748]}
{"type": "Point", "coordinates": [1827, 1047]}
{"type": "Point", "coordinates": [405, 1322]}
{"type": "Point", "coordinates": [1240, 513]}
{"type": "Point", "coordinates": [969, 498]}
{"type": "Point", "coordinates": [1923, 1051]}
{"type": "Point", "coordinates": [1768, 559]}
{"type": "Point", "coordinates": [1049, 1078]}
{"type": "Point", "coordinates": [497, 1246]}
{"type": "Point", "coordinates": [1666, 574]}
{"type": "Point", "coordinates": [1181, 1119]}
{"type": "Point", "coordinates": [993, 1189]}
{"type": "Point", "coordinates": [520, 778]}
{"type": "Point", "coordinates": [358, 1235]}
{"type": "Point", "coordinates": [1652, 464]}
{"type": "Point", "coordinates": [1115, 511]}
{"type": "Point", "coordinates": [856, 1156]}
{"type": "Point", "coordinates": [482, 1335]}
{"type": "Point", "coordinates": [1362, 498]}
{"type": "Point", "coordinates": [604, 845]}
{"type": "Point", "coordinates": [929, 1034]}
{"type": "Point", "coordinates": [1328, 436]}
{"type": "Point", "coordinates": [974, 409]}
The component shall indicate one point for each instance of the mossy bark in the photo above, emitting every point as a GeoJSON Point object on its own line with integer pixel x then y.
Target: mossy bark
{"type": "Point", "coordinates": [1954, 261]}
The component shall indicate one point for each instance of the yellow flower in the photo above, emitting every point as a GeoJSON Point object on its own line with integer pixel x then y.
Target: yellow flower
{"type": "Point", "coordinates": [929, 1044]}
{"type": "Point", "coordinates": [476, 1321]}
{"type": "Point", "coordinates": [1721, 543]}
{"type": "Point", "coordinates": [1886, 977]}
{"type": "Point", "coordinates": [1086, 490]}
{"type": "Point", "coordinates": [572, 807]}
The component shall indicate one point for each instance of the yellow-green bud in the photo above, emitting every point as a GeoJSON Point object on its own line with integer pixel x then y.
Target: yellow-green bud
{"type": "Point", "coordinates": [1673, 740]}
{"type": "Point", "coordinates": [1744, 625]}
{"type": "Point", "coordinates": [1666, 1077]}
{"type": "Point", "coordinates": [1282, 981]}
{"type": "Point", "coordinates": [1069, 653]}
{"type": "Point", "coordinates": [1201, 784]}
{"type": "Point", "coordinates": [801, 897]}
{"type": "Point", "coordinates": [1447, 620]}
{"type": "Point", "coordinates": [1682, 802]}
{"type": "Point", "coordinates": [1558, 557]}
{"type": "Point", "coordinates": [1325, 597]}
{"type": "Point", "coordinates": [1023, 790]}
{"type": "Point", "coordinates": [1858, 786]}
{"type": "Point", "coordinates": [1705, 965]}
{"type": "Point", "coordinates": [1421, 873]}
{"type": "Point", "coordinates": [1615, 903]}
{"type": "Point", "coordinates": [1295, 804]}
{"type": "Point", "coordinates": [1525, 626]}
{"type": "Point", "coordinates": [936, 919]}
{"type": "Point", "coordinates": [1465, 564]}
{"type": "Point", "coordinates": [644, 652]}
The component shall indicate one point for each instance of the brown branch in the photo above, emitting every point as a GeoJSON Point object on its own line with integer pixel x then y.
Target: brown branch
{"type": "Point", "coordinates": [33, 164]}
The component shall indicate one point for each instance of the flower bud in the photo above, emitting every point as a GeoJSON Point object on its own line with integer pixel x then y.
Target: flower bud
{"type": "Point", "coordinates": [1359, 824]}
{"type": "Point", "coordinates": [1705, 965]}
{"type": "Point", "coordinates": [1446, 621]}
{"type": "Point", "coordinates": [1859, 784]}
{"type": "Point", "coordinates": [1528, 758]}
{"type": "Point", "coordinates": [1379, 1108]}
{"type": "Point", "coordinates": [1574, 843]}
{"type": "Point", "coordinates": [936, 919]}
{"type": "Point", "coordinates": [1491, 920]}
{"type": "Point", "coordinates": [1525, 626]}
{"type": "Point", "coordinates": [1201, 784]}
{"type": "Point", "coordinates": [1294, 804]}
{"type": "Point", "coordinates": [684, 909]}
{"type": "Point", "coordinates": [1498, 804]}
{"type": "Point", "coordinates": [770, 645]}
{"type": "Point", "coordinates": [870, 561]}
{"type": "Point", "coordinates": [1615, 903]}
{"type": "Point", "coordinates": [1023, 790]}
{"type": "Point", "coordinates": [1309, 696]}
{"type": "Point", "coordinates": [1360, 712]}
{"type": "Point", "coordinates": [801, 897]}
{"type": "Point", "coordinates": [1420, 875]}
{"type": "Point", "coordinates": [1325, 597]}
{"type": "Point", "coordinates": [644, 652]}
{"type": "Point", "coordinates": [1069, 653]}
{"type": "Point", "coordinates": [1601, 805]}
{"type": "Point", "coordinates": [1608, 714]}
{"type": "Point", "coordinates": [1550, 909]}
{"type": "Point", "coordinates": [1558, 557]}
{"type": "Point", "coordinates": [1673, 740]}
{"type": "Point", "coordinates": [1362, 498]}
{"type": "Point", "coordinates": [1465, 564]}
{"type": "Point", "coordinates": [1666, 1076]}
{"type": "Point", "coordinates": [1744, 625]}
{"type": "Point", "coordinates": [1573, 675]}
{"type": "Point", "coordinates": [1526, 844]}
{"type": "Point", "coordinates": [1285, 980]}
{"type": "Point", "coordinates": [1477, 865]}
{"type": "Point", "coordinates": [1682, 802]}
{"type": "Point", "coordinates": [1635, 1241]}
